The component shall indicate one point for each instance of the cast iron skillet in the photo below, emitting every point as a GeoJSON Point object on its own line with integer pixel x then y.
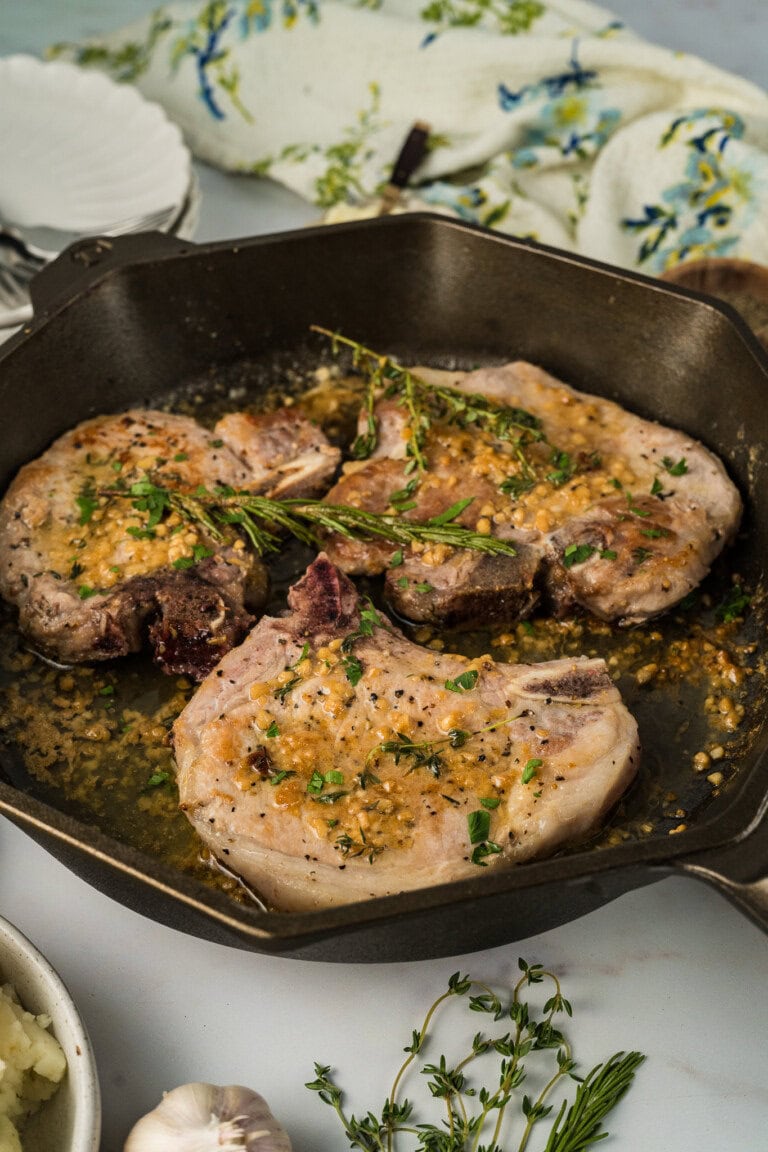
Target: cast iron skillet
{"type": "Point", "coordinates": [120, 321]}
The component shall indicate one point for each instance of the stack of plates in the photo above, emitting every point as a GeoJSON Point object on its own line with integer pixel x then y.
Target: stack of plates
{"type": "Point", "coordinates": [84, 156]}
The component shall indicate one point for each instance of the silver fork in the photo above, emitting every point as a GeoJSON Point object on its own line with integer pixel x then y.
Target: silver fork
{"type": "Point", "coordinates": [16, 272]}
{"type": "Point", "coordinates": [47, 243]}
{"type": "Point", "coordinates": [21, 259]}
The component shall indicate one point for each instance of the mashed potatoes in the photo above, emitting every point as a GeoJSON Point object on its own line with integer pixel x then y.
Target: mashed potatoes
{"type": "Point", "coordinates": [31, 1066]}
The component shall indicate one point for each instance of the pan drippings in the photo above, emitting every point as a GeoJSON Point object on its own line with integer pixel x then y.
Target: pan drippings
{"type": "Point", "coordinates": [93, 740]}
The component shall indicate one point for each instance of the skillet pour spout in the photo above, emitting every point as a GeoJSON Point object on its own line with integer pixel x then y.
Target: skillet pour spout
{"type": "Point", "coordinates": [125, 322]}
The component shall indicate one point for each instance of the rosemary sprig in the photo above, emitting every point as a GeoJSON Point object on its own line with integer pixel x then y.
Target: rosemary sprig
{"type": "Point", "coordinates": [600, 1091]}
{"type": "Point", "coordinates": [428, 403]}
{"type": "Point", "coordinates": [471, 1112]}
{"type": "Point", "coordinates": [261, 519]}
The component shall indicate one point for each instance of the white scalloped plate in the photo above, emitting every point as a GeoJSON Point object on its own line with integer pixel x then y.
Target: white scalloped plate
{"type": "Point", "coordinates": [80, 152]}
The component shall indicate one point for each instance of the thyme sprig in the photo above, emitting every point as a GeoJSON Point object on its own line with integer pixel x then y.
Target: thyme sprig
{"type": "Point", "coordinates": [427, 403]}
{"type": "Point", "coordinates": [262, 520]}
{"type": "Point", "coordinates": [426, 753]}
{"type": "Point", "coordinates": [471, 1112]}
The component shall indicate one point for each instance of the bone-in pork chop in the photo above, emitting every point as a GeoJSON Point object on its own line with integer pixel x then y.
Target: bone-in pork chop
{"type": "Point", "coordinates": [328, 759]}
{"type": "Point", "coordinates": [608, 511]}
{"type": "Point", "coordinates": [93, 578]}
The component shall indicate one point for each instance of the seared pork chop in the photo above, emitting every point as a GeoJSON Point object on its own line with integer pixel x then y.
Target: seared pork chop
{"type": "Point", "coordinates": [91, 575]}
{"type": "Point", "coordinates": [611, 512]}
{"type": "Point", "coordinates": [327, 759]}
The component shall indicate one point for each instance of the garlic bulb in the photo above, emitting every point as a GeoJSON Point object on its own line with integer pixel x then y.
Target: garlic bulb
{"type": "Point", "coordinates": [206, 1118]}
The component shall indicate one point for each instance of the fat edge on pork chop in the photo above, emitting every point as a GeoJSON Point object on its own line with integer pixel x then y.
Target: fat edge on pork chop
{"type": "Point", "coordinates": [94, 578]}
{"type": "Point", "coordinates": [607, 512]}
{"type": "Point", "coordinates": [327, 759]}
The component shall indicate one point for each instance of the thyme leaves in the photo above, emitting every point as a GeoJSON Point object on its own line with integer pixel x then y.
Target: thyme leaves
{"type": "Point", "coordinates": [429, 403]}
{"type": "Point", "coordinates": [525, 1036]}
{"type": "Point", "coordinates": [281, 692]}
{"type": "Point", "coordinates": [428, 753]}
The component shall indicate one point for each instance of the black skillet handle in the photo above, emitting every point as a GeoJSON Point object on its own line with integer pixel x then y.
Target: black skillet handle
{"type": "Point", "coordinates": [739, 871]}
{"type": "Point", "coordinates": [87, 260]}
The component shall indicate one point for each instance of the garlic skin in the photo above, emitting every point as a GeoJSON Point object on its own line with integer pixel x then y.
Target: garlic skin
{"type": "Point", "coordinates": [206, 1118]}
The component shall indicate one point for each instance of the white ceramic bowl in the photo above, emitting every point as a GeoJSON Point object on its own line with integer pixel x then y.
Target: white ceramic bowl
{"type": "Point", "coordinates": [71, 1120]}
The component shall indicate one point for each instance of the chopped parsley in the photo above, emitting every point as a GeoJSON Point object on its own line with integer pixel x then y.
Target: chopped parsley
{"type": "Point", "coordinates": [353, 669]}
{"type": "Point", "coordinates": [463, 683]}
{"type": "Point", "coordinates": [199, 552]}
{"type": "Point", "coordinates": [156, 780]}
{"type": "Point", "coordinates": [734, 605]}
{"type": "Point", "coordinates": [478, 828]}
{"type": "Point", "coordinates": [280, 776]}
{"type": "Point", "coordinates": [490, 801]}
{"type": "Point", "coordinates": [317, 782]}
{"type": "Point", "coordinates": [564, 468]}
{"type": "Point", "coordinates": [531, 769]}
{"type": "Point", "coordinates": [478, 825]}
{"type": "Point", "coordinates": [486, 848]}
{"type": "Point", "coordinates": [577, 554]}
{"type": "Point", "coordinates": [87, 503]}
{"type": "Point", "coordinates": [675, 469]}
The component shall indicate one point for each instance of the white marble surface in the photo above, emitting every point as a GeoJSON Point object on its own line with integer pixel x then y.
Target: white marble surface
{"type": "Point", "coordinates": [672, 970]}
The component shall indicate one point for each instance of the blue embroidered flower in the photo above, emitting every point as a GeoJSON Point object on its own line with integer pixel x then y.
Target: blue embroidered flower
{"type": "Point", "coordinates": [574, 78]}
{"type": "Point", "coordinates": [465, 199]}
{"type": "Point", "coordinates": [570, 118]}
{"type": "Point", "coordinates": [704, 213]}
{"type": "Point", "coordinates": [575, 126]}
{"type": "Point", "coordinates": [469, 201]}
{"type": "Point", "coordinates": [204, 42]}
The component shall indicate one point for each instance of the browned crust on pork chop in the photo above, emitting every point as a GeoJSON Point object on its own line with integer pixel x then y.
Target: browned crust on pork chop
{"type": "Point", "coordinates": [289, 768]}
{"type": "Point", "coordinates": [91, 582]}
{"type": "Point", "coordinates": [635, 525]}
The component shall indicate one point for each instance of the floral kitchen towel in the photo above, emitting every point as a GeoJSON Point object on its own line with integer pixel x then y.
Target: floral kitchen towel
{"type": "Point", "coordinates": [547, 118]}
